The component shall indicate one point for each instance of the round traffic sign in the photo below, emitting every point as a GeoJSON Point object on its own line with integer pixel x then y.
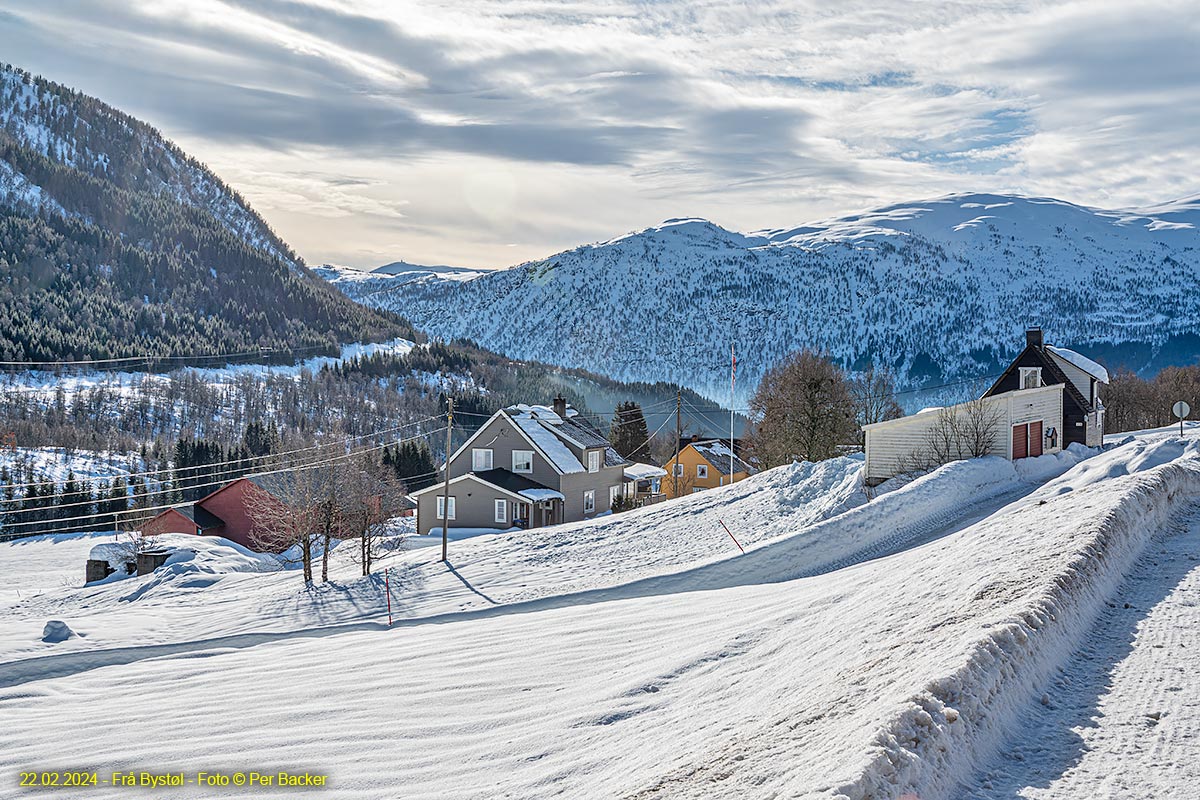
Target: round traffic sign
{"type": "Point", "coordinates": [1181, 410]}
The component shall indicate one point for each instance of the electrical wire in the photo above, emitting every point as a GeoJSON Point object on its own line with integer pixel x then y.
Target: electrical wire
{"type": "Point", "coordinates": [55, 521]}
{"type": "Point", "coordinates": [180, 471]}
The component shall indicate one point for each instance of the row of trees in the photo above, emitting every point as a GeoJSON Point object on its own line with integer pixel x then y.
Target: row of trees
{"type": "Point", "coordinates": [1132, 403]}
{"type": "Point", "coordinates": [303, 511]}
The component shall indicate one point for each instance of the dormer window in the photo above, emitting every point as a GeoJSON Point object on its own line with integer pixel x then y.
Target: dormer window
{"type": "Point", "coordinates": [1031, 377]}
{"type": "Point", "coordinates": [593, 460]}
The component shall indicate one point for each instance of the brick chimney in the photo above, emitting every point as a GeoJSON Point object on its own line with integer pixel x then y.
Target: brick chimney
{"type": "Point", "coordinates": [1033, 337]}
{"type": "Point", "coordinates": [560, 406]}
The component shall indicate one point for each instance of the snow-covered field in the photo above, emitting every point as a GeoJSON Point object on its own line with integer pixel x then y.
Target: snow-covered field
{"type": "Point", "coordinates": [857, 650]}
{"type": "Point", "coordinates": [130, 382]}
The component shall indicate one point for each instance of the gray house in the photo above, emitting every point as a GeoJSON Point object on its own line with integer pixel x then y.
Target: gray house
{"type": "Point", "coordinates": [528, 466]}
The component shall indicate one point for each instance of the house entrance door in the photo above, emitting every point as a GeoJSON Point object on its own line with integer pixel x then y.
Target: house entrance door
{"type": "Point", "coordinates": [1035, 438]}
{"type": "Point", "coordinates": [1020, 441]}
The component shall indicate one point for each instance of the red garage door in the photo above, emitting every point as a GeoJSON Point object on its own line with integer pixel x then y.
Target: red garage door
{"type": "Point", "coordinates": [1020, 441]}
{"type": "Point", "coordinates": [1035, 438]}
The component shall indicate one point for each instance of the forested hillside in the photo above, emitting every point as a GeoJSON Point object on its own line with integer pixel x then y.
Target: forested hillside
{"type": "Point", "coordinates": [114, 243]}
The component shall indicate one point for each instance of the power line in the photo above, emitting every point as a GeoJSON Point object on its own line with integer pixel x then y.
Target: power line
{"type": "Point", "coordinates": [179, 471]}
{"type": "Point", "coordinates": [56, 521]}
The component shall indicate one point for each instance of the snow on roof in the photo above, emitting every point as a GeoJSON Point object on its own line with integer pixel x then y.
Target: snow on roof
{"type": "Point", "coordinates": [538, 495]}
{"type": "Point", "coordinates": [546, 441]}
{"type": "Point", "coordinates": [541, 412]}
{"type": "Point", "coordinates": [928, 409]}
{"type": "Point", "coordinates": [1083, 362]}
{"type": "Point", "coordinates": [718, 454]}
{"type": "Point", "coordinates": [641, 472]}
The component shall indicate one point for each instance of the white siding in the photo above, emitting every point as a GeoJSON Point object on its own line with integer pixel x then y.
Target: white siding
{"type": "Point", "coordinates": [1080, 379]}
{"type": "Point", "coordinates": [898, 445]}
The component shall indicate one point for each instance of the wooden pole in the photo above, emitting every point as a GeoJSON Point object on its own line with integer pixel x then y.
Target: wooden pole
{"type": "Point", "coordinates": [387, 587]}
{"type": "Point", "coordinates": [446, 489]}
{"type": "Point", "coordinates": [678, 435]}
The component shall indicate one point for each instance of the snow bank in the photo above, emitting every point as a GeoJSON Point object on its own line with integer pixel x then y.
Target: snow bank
{"type": "Point", "coordinates": [945, 731]}
{"type": "Point", "coordinates": [900, 517]}
{"type": "Point", "coordinates": [197, 562]}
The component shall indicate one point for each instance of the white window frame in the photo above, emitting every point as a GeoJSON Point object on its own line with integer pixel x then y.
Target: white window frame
{"type": "Point", "coordinates": [520, 454]}
{"type": "Point", "coordinates": [500, 510]}
{"type": "Point", "coordinates": [1035, 373]}
{"type": "Point", "coordinates": [593, 458]}
{"type": "Point", "coordinates": [441, 501]}
{"type": "Point", "coordinates": [702, 471]}
{"type": "Point", "coordinates": [477, 453]}
{"type": "Point", "coordinates": [589, 501]}
{"type": "Point", "coordinates": [613, 493]}
{"type": "Point", "coordinates": [697, 489]}
{"type": "Point", "coordinates": [679, 470]}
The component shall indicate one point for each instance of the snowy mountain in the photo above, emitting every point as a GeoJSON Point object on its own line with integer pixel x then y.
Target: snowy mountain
{"type": "Point", "coordinates": [938, 290]}
{"type": "Point", "coordinates": [114, 242]}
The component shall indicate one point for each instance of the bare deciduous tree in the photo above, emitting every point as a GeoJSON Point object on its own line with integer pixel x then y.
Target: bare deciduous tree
{"type": "Point", "coordinates": [874, 393]}
{"type": "Point", "coordinates": [284, 510]}
{"type": "Point", "coordinates": [373, 498]}
{"type": "Point", "coordinates": [967, 430]}
{"type": "Point", "coordinates": [802, 409]}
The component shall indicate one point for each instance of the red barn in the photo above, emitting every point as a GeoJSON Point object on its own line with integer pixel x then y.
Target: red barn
{"type": "Point", "coordinates": [222, 513]}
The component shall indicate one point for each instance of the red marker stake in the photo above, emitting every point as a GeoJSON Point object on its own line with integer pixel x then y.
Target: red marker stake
{"type": "Point", "coordinates": [731, 536]}
{"type": "Point", "coordinates": [387, 583]}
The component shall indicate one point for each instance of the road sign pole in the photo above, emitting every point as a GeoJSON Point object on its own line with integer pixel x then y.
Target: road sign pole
{"type": "Point", "coordinates": [1181, 410]}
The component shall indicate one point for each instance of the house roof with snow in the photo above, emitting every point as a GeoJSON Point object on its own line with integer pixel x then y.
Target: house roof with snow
{"type": "Point", "coordinates": [537, 421]}
{"type": "Point", "coordinates": [1082, 362]}
{"type": "Point", "coordinates": [718, 454]}
{"type": "Point", "coordinates": [642, 472]}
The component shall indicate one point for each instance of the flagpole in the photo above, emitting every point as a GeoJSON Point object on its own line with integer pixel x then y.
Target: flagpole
{"type": "Point", "coordinates": [732, 396]}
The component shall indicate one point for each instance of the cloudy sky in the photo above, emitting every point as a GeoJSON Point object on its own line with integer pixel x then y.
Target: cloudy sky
{"type": "Point", "coordinates": [486, 133]}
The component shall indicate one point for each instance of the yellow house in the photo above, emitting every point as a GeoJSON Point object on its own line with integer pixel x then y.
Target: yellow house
{"type": "Point", "coordinates": [703, 465]}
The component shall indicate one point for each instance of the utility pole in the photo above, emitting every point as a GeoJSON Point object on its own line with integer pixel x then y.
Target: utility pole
{"type": "Point", "coordinates": [446, 489]}
{"type": "Point", "coordinates": [678, 435]}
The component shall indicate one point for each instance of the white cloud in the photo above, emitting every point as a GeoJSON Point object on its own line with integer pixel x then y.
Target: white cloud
{"type": "Point", "coordinates": [485, 131]}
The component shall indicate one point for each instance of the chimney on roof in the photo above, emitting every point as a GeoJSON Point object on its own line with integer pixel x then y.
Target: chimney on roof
{"type": "Point", "coordinates": [1033, 337]}
{"type": "Point", "coordinates": [560, 406]}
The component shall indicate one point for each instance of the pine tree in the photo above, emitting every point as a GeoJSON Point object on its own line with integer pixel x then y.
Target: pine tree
{"type": "Point", "coordinates": [628, 433]}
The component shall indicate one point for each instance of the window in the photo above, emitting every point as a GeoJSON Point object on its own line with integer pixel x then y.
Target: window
{"type": "Point", "coordinates": [679, 470]}
{"type": "Point", "coordinates": [700, 489]}
{"type": "Point", "coordinates": [1031, 377]}
{"type": "Point", "coordinates": [589, 501]}
{"type": "Point", "coordinates": [481, 459]}
{"type": "Point", "coordinates": [702, 470]}
{"type": "Point", "coordinates": [593, 461]}
{"type": "Point", "coordinates": [613, 493]}
{"type": "Point", "coordinates": [441, 501]}
{"type": "Point", "coordinates": [501, 511]}
{"type": "Point", "coordinates": [522, 461]}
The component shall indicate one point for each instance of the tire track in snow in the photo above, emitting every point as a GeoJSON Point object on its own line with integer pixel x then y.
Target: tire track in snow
{"type": "Point", "coordinates": [1120, 718]}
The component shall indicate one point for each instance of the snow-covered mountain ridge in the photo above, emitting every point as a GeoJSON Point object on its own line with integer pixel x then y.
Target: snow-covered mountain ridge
{"type": "Point", "coordinates": [938, 290]}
